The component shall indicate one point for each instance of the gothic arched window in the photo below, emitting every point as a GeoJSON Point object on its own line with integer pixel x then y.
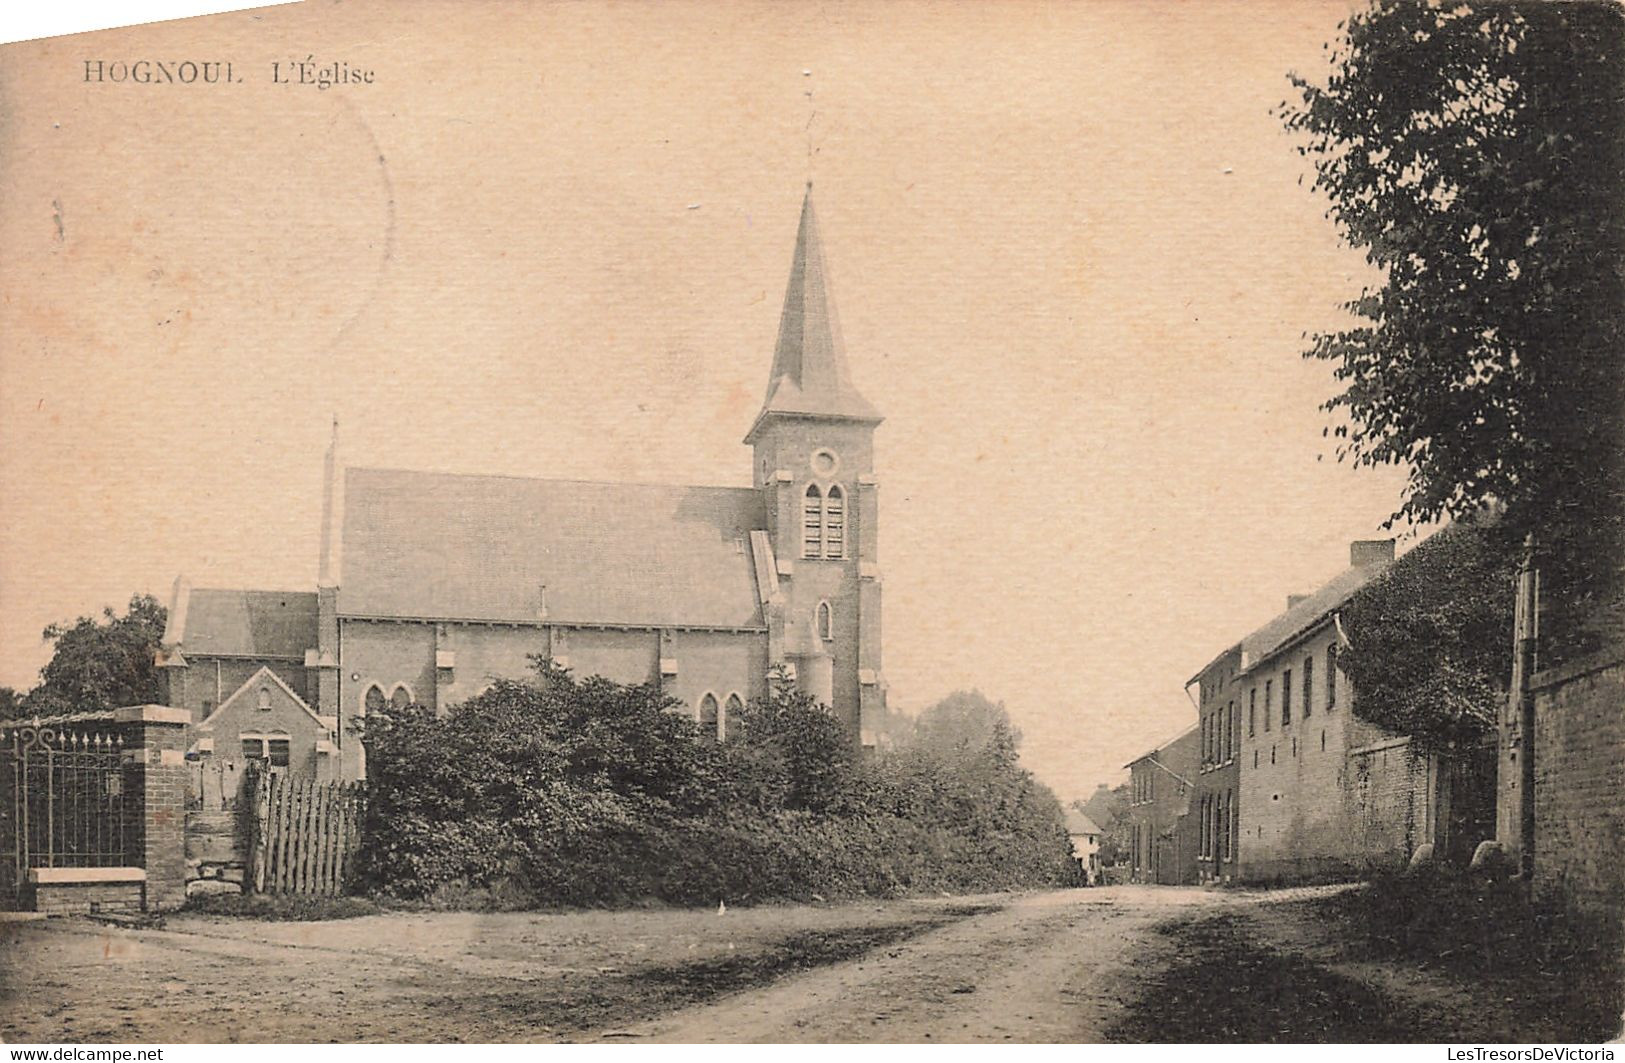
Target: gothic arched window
{"type": "Point", "coordinates": [374, 699]}
{"type": "Point", "coordinates": [708, 717]}
{"type": "Point", "coordinates": [835, 523]}
{"type": "Point", "coordinates": [733, 718]}
{"type": "Point", "coordinates": [826, 621]}
{"type": "Point", "coordinates": [812, 523]}
{"type": "Point", "coordinates": [401, 697]}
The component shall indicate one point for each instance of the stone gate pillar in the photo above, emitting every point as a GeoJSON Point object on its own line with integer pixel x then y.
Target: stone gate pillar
{"type": "Point", "coordinates": [154, 778]}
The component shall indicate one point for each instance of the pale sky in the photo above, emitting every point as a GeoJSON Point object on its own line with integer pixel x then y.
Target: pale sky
{"type": "Point", "coordinates": [1072, 260]}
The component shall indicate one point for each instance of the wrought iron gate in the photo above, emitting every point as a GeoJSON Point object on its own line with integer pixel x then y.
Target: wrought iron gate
{"type": "Point", "coordinates": [62, 801]}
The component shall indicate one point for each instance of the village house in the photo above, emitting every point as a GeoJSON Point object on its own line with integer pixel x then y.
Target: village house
{"type": "Point", "coordinates": [1323, 793]}
{"type": "Point", "coordinates": [434, 585]}
{"type": "Point", "coordinates": [1085, 836]}
{"type": "Point", "coordinates": [1162, 830]}
{"type": "Point", "coordinates": [1218, 779]}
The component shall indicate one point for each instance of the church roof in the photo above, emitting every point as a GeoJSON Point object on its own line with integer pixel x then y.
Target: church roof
{"type": "Point", "coordinates": [810, 375]}
{"type": "Point", "coordinates": [248, 623]}
{"type": "Point", "coordinates": [444, 546]}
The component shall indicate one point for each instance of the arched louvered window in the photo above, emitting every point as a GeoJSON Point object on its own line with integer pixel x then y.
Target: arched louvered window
{"type": "Point", "coordinates": [401, 697]}
{"type": "Point", "coordinates": [812, 523]}
{"type": "Point", "coordinates": [835, 523]}
{"type": "Point", "coordinates": [374, 699]}
{"type": "Point", "coordinates": [826, 621]}
{"type": "Point", "coordinates": [733, 718]}
{"type": "Point", "coordinates": [708, 717]}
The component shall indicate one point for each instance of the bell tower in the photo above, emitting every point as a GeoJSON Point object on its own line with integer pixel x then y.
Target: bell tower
{"type": "Point", "coordinates": [813, 444]}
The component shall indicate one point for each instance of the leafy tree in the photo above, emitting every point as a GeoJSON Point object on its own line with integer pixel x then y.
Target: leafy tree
{"type": "Point", "coordinates": [101, 663]}
{"type": "Point", "coordinates": [1429, 638]}
{"type": "Point", "coordinates": [793, 752]}
{"type": "Point", "coordinates": [589, 792]}
{"type": "Point", "coordinates": [11, 702]}
{"type": "Point", "coordinates": [1474, 152]}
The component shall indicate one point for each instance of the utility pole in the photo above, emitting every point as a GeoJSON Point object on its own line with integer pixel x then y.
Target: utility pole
{"type": "Point", "coordinates": [1515, 782]}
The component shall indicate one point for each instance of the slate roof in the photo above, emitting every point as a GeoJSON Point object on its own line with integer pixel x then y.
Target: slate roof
{"type": "Point", "coordinates": [1078, 823]}
{"type": "Point", "coordinates": [444, 546]}
{"type": "Point", "coordinates": [1286, 627]}
{"type": "Point", "coordinates": [810, 374]}
{"type": "Point", "coordinates": [249, 623]}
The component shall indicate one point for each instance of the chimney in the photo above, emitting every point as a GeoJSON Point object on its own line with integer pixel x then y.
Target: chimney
{"type": "Point", "coordinates": [1293, 599]}
{"type": "Point", "coordinates": [1364, 552]}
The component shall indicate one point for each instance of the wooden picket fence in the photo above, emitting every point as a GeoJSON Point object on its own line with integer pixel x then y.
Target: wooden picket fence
{"type": "Point", "coordinates": [305, 834]}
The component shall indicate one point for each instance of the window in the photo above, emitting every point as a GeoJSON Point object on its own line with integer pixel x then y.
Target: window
{"type": "Point", "coordinates": [708, 718]}
{"type": "Point", "coordinates": [1230, 827]}
{"type": "Point", "coordinates": [1308, 686]}
{"type": "Point", "coordinates": [812, 523]}
{"type": "Point", "coordinates": [273, 750]}
{"type": "Point", "coordinates": [265, 699]}
{"type": "Point", "coordinates": [826, 622]}
{"type": "Point", "coordinates": [733, 718]}
{"type": "Point", "coordinates": [835, 524]}
{"type": "Point", "coordinates": [1331, 675]}
{"type": "Point", "coordinates": [1269, 702]}
{"type": "Point", "coordinates": [1230, 732]}
{"type": "Point", "coordinates": [1252, 712]}
{"type": "Point", "coordinates": [401, 697]}
{"type": "Point", "coordinates": [374, 698]}
{"type": "Point", "coordinates": [1286, 697]}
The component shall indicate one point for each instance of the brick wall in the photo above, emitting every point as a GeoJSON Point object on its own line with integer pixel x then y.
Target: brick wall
{"type": "Point", "coordinates": [1579, 749]}
{"type": "Point", "coordinates": [79, 898]}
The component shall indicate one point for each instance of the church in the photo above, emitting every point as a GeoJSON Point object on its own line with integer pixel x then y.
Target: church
{"type": "Point", "coordinates": [434, 585]}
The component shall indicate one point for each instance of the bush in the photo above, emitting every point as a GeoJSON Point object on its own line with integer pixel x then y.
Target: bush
{"type": "Point", "coordinates": [558, 791]}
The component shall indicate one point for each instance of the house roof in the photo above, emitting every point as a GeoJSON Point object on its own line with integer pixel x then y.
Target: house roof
{"type": "Point", "coordinates": [444, 546]}
{"type": "Point", "coordinates": [248, 623]}
{"type": "Point", "coordinates": [1161, 746]}
{"type": "Point", "coordinates": [1285, 628]}
{"type": "Point", "coordinates": [810, 375]}
{"type": "Point", "coordinates": [1079, 823]}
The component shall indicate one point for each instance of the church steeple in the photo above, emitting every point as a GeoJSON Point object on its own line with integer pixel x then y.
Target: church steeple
{"type": "Point", "coordinates": [810, 377]}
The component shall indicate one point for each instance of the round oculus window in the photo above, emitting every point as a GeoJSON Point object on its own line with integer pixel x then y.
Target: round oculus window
{"type": "Point", "coordinates": [824, 462]}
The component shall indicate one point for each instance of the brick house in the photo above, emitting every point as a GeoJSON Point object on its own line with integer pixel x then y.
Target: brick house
{"type": "Point", "coordinates": [1161, 793]}
{"type": "Point", "coordinates": [432, 586]}
{"type": "Point", "coordinates": [1216, 807]}
{"type": "Point", "coordinates": [1323, 793]}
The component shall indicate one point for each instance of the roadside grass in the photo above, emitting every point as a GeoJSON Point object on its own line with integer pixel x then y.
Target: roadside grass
{"type": "Point", "coordinates": [278, 908]}
{"type": "Point", "coordinates": [1499, 968]}
{"type": "Point", "coordinates": [1554, 971]}
{"type": "Point", "coordinates": [1223, 986]}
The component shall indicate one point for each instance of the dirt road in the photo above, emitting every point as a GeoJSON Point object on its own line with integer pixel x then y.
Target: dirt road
{"type": "Point", "coordinates": [1122, 963]}
{"type": "Point", "coordinates": [1046, 967]}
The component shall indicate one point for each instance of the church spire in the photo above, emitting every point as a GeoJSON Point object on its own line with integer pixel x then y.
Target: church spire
{"type": "Point", "coordinates": [332, 512]}
{"type": "Point", "coordinates": [810, 377]}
